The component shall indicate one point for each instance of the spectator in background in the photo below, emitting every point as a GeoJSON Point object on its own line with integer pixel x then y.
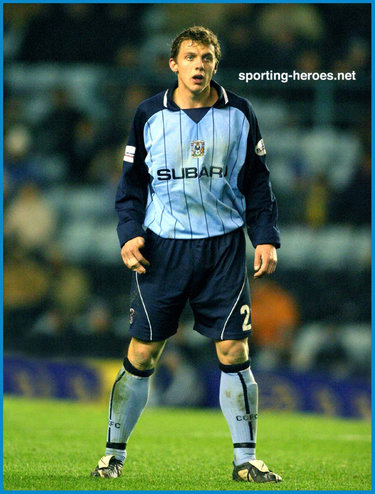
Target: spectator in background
{"type": "Point", "coordinates": [327, 347]}
{"type": "Point", "coordinates": [30, 220]}
{"type": "Point", "coordinates": [134, 95]}
{"type": "Point", "coordinates": [309, 60]}
{"type": "Point", "coordinates": [20, 166]}
{"type": "Point", "coordinates": [275, 318]}
{"type": "Point", "coordinates": [316, 205]}
{"type": "Point", "coordinates": [45, 26]}
{"type": "Point", "coordinates": [59, 126]}
{"type": "Point", "coordinates": [13, 110]}
{"type": "Point", "coordinates": [71, 289]}
{"type": "Point", "coordinates": [17, 19]}
{"type": "Point", "coordinates": [127, 56]}
{"type": "Point", "coordinates": [123, 31]}
{"type": "Point", "coordinates": [73, 320]}
{"type": "Point", "coordinates": [285, 30]}
{"type": "Point", "coordinates": [95, 319]}
{"type": "Point", "coordinates": [196, 348]}
{"type": "Point", "coordinates": [177, 382]}
{"type": "Point", "coordinates": [104, 169]}
{"type": "Point", "coordinates": [353, 204]}
{"type": "Point", "coordinates": [123, 103]}
{"type": "Point", "coordinates": [240, 46]}
{"type": "Point", "coordinates": [81, 32]}
{"type": "Point", "coordinates": [342, 26]}
{"type": "Point", "coordinates": [26, 287]}
{"type": "Point", "coordinates": [356, 56]}
{"type": "Point", "coordinates": [169, 18]}
{"type": "Point", "coordinates": [92, 330]}
{"type": "Point", "coordinates": [86, 141]}
{"type": "Point", "coordinates": [65, 33]}
{"type": "Point", "coordinates": [69, 292]}
{"type": "Point", "coordinates": [48, 334]}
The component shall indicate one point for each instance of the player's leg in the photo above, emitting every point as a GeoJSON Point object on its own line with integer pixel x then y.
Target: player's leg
{"type": "Point", "coordinates": [220, 300]}
{"type": "Point", "coordinates": [127, 401]}
{"type": "Point", "coordinates": [239, 404]}
{"type": "Point", "coordinates": [157, 300]}
{"type": "Point", "coordinates": [238, 397]}
{"type": "Point", "coordinates": [130, 393]}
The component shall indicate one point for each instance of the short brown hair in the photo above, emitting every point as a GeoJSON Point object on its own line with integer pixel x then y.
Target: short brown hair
{"type": "Point", "coordinates": [199, 34]}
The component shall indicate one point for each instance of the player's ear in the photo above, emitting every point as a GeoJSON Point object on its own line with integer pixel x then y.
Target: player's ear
{"type": "Point", "coordinates": [216, 67]}
{"type": "Point", "coordinates": [173, 65]}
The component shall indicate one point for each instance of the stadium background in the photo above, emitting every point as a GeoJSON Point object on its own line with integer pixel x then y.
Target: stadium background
{"type": "Point", "coordinates": [73, 77]}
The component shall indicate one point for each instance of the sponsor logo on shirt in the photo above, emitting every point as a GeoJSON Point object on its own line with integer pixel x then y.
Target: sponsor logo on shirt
{"type": "Point", "coordinates": [197, 149]}
{"type": "Point", "coordinates": [260, 148]}
{"type": "Point", "coordinates": [192, 172]}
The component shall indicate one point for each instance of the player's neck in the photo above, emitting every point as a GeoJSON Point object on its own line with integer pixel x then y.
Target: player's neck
{"type": "Point", "coordinates": [185, 99]}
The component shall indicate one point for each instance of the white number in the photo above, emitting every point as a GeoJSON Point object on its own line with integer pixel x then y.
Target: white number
{"type": "Point", "coordinates": [245, 309]}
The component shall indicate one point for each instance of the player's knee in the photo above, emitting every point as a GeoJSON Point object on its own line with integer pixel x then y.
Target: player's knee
{"type": "Point", "coordinates": [141, 360]}
{"type": "Point", "coordinates": [231, 352]}
{"type": "Point", "coordinates": [141, 357]}
{"type": "Point", "coordinates": [144, 355]}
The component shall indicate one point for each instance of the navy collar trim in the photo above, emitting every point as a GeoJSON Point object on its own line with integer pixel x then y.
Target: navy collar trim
{"type": "Point", "coordinates": [171, 105]}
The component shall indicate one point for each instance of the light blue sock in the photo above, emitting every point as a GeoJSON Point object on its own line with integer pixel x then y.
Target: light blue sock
{"type": "Point", "coordinates": [239, 404]}
{"type": "Point", "coordinates": [127, 401]}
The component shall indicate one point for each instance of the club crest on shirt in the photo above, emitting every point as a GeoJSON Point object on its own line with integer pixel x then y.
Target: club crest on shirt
{"type": "Point", "coordinates": [197, 149]}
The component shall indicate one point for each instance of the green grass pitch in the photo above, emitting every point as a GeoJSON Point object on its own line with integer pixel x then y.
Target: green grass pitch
{"type": "Point", "coordinates": [54, 445]}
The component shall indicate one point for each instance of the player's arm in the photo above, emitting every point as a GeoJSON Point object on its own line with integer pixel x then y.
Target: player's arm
{"type": "Point", "coordinates": [261, 206]}
{"type": "Point", "coordinates": [131, 198]}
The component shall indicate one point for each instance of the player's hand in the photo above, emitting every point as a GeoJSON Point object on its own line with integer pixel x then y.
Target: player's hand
{"type": "Point", "coordinates": [265, 260]}
{"type": "Point", "coordinates": [132, 256]}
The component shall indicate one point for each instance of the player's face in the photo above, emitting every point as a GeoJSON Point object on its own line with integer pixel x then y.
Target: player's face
{"type": "Point", "coordinates": [195, 65]}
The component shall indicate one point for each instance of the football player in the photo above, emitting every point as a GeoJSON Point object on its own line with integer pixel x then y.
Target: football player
{"type": "Point", "coordinates": [194, 174]}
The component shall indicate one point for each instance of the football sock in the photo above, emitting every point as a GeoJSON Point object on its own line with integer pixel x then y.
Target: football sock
{"type": "Point", "coordinates": [239, 404]}
{"type": "Point", "coordinates": [128, 399]}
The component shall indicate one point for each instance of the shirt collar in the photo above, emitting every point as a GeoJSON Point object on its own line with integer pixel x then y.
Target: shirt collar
{"type": "Point", "coordinates": [171, 105]}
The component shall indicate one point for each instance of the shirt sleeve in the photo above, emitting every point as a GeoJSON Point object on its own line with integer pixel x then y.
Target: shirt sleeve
{"type": "Point", "coordinates": [131, 196]}
{"type": "Point", "coordinates": [254, 183]}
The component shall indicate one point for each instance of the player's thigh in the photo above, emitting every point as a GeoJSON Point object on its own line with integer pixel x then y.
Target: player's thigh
{"type": "Point", "coordinates": [221, 302]}
{"type": "Point", "coordinates": [158, 296]}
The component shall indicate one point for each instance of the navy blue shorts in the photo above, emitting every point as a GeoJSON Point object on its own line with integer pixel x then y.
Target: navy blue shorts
{"type": "Point", "coordinates": [210, 273]}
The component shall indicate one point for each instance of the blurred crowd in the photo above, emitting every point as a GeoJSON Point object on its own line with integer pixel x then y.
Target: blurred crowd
{"type": "Point", "coordinates": [279, 36]}
{"type": "Point", "coordinates": [73, 77]}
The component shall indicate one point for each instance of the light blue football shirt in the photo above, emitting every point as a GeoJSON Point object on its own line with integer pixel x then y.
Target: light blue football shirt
{"type": "Point", "coordinates": [196, 173]}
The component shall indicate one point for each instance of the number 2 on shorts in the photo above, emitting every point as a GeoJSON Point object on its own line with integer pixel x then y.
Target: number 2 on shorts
{"type": "Point", "coordinates": [245, 309]}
